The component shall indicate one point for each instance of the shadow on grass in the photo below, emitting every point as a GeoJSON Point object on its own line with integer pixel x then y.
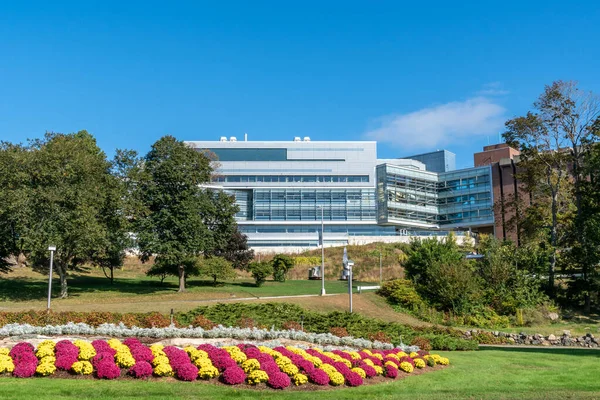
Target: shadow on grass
{"type": "Point", "coordinates": [567, 351]}
{"type": "Point", "coordinates": [28, 289]}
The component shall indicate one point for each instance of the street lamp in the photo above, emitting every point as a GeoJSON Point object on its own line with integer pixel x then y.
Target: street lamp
{"type": "Point", "coordinates": [322, 254]}
{"type": "Point", "coordinates": [52, 249]}
{"type": "Point", "coordinates": [380, 270]}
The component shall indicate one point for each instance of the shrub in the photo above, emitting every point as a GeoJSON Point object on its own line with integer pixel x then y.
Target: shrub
{"type": "Point", "coordinates": [281, 265]}
{"type": "Point", "coordinates": [380, 337]}
{"type": "Point", "coordinates": [260, 271]}
{"type": "Point", "coordinates": [203, 322]}
{"type": "Point", "coordinates": [338, 331]}
{"type": "Point", "coordinates": [402, 292]}
{"type": "Point", "coordinates": [292, 325]}
{"type": "Point", "coordinates": [279, 380]}
{"type": "Point", "coordinates": [422, 343]}
{"type": "Point", "coordinates": [217, 268]}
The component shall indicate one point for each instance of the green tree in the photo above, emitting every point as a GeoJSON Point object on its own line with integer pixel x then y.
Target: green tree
{"type": "Point", "coordinates": [282, 264]}
{"type": "Point", "coordinates": [177, 220]}
{"type": "Point", "coordinates": [14, 181]}
{"type": "Point", "coordinates": [260, 270]}
{"type": "Point", "coordinates": [69, 194]}
{"type": "Point", "coordinates": [171, 203]}
{"type": "Point", "coordinates": [545, 160]}
{"type": "Point", "coordinates": [218, 268]}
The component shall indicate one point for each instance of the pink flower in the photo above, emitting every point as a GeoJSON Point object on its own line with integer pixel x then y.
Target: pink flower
{"type": "Point", "coordinates": [141, 369]}
{"type": "Point", "coordinates": [391, 372]}
{"type": "Point", "coordinates": [278, 380]}
{"type": "Point", "coordinates": [187, 372]}
{"type": "Point", "coordinates": [107, 369]}
{"type": "Point", "coordinates": [319, 377]}
{"type": "Point", "coordinates": [233, 376]}
{"type": "Point", "coordinates": [353, 379]}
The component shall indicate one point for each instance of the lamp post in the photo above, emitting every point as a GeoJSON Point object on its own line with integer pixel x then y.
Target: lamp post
{"type": "Point", "coordinates": [380, 270]}
{"type": "Point", "coordinates": [322, 254]}
{"type": "Point", "coordinates": [52, 249]}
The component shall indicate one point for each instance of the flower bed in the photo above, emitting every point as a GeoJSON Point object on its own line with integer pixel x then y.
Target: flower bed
{"type": "Point", "coordinates": [277, 368]}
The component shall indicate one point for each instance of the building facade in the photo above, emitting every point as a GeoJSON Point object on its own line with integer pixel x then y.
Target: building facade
{"type": "Point", "coordinates": [287, 190]}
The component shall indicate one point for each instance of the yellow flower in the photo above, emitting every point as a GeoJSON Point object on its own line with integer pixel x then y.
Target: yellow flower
{"type": "Point", "coordinates": [378, 369]}
{"type": "Point", "coordinates": [203, 363]}
{"type": "Point", "coordinates": [360, 371]}
{"type": "Point", "coordinates": [328, 368]}
{"type": "Point", "coordinates": [393, 364]}
{"type": "Point", "coordinates": [86, 352]}
{"type": "Point", "coordinates": [45, 369]}
{"type": "Point", "coordinates": [239, 357]}
{"type": "Point", "coordinates": [257, 376]}
{"type": "Point", "coordinates": [48, 360]}
{"type": "Point", "coordinates": [401, 354]}
{"type": "Point", "coordinates": [82, 367]}
{"type": "Point", "coordinates": [114, 343]}
{"type": "Point", "coordinates": [369, 362]}
{"type": "Point", "coordinates": [392, 355]}
{"type": "Point", "coordinates": [160, 360]}
{"type": "Point", "coordinates": [251, 364]}
{"type": "Point", "coordinates": [378, 356]}
{"type": "Point", "coordinates": [367, 351]}
{"type": "Point", "coordinates": [124, 359]}
{"type": "Point", "coordinates": [208, 372]}
{"type": "Point", "coordinates": [419, 363]}
{"type": "Point", "coordinates": [406, 367]}
{"type": "Point", "coordinates": [413, 354]}
{"type": "Point", "coordinates": [444, 361]}
{"type": "Point", "coordinates": [265, 349]}
{"type": "Point", "coordinates": [336, 379]}
{"type": "Point", "coordinates": [289, 369]}
{"type": "Point", "coordinates": [353, 354]}
{"type": "Point", "coordinates": [4, 351]}
{"type": "Point", "coordinates": [6, 364]}
{"type": "Point", "coordinates": [283, 361]}
{"type": "Point", "coordinates": [299, 379]}
{"type": "Point", "coordinates": [163, 370]}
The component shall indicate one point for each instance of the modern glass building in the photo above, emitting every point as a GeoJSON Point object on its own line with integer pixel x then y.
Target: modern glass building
{"type": "Point", "coordinates": [285, 189]}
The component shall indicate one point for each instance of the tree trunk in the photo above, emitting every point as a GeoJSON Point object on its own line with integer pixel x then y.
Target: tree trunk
{"type": "Point", "coordinates": [112, 275]}
{"type": "Point", "coordinates": [63, 281]}
{"type": "Point", "coordinates": [553, 240]}
{"type": "Point", "coordinates": [181, 278]}
{"type": "Point", "coordinates": [587, 305]}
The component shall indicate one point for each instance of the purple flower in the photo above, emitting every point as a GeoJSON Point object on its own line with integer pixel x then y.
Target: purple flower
{"type": "Point", "coordinates": [21, 348]}
{"type": "Point", "coordinates": [408, 360]}
{"type": "Point", "coordinates": [233, 376]}
{"type": "Point", "coordinates": [353, 379]}
{"type": "Point", "coordinates": [369, 371]}
{"type": "Point", "coordinates": [305, 365]}
{"type": "Point", "coordinates": [252, 352]}
{"type": "Point", "coordinates": [65, 361]}
{"type": "Point", "coordinates": [391, 372]}
{"type": "Point", "coordinates": [107, 369]}
{"type": "Point", "coordinates": [187, 372]}
{"type": "Point", "coordinates": [142, 353]}
{"type": "Point", "coordinates": [141, 369]}
{"type": "Point", "coordinates": [278, 380]}
{"type": "Point", "coordinates": [132, 342]}
{"type": "Point", "coordinates": [319, 377]}
{"type": "Point", "coordinates": [104, 356]}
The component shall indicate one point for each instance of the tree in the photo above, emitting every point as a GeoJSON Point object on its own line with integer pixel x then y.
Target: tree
{"type": "Point", "coordinates": [178, 220]}
{"type": "Point", "coordinates": [68, 196]}
{"type": "Point", "coordinates": [281, 266]}
{"type": "Point", "coordinates": [554, 141]}
{"type": "Point", "coordinates": [236, 250]}
{"type": "Point", "coordinates": [217, 268]}
{"type": "Point", "coordinates": [14, 179]}
{"type": "Point", "coordinates": [261, 270]}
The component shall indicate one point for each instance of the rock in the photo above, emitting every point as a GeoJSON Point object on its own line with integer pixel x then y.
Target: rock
{"type": "Point", "coordinates": [551, 337]}
{"type": "Point", "coordinates": [545, 343]}
{"type": "Point", "coordinates": [566, 333]}
{"type": "Point", "coordinates": [553, 316]}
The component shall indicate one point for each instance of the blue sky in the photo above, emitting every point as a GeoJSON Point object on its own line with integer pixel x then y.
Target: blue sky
{"type": "Point", "coordinates": [417, 76]}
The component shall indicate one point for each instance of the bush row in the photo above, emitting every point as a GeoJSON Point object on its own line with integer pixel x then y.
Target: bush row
{"type": "Point", "coordinates": [282, 315]}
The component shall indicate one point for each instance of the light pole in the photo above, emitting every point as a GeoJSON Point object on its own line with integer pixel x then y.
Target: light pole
{"type": "Point", "coordinates": [322, 254]}
{"type": "Point", "coordinates": [380, 270]}
{"type": "Point", "coordinates": [52, 249]}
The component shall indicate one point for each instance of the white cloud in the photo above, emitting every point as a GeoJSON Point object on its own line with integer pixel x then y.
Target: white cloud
{"type": "Point", "coordinates": [440, 125]}
{"type": "Point", "coordinates": [493, 89]}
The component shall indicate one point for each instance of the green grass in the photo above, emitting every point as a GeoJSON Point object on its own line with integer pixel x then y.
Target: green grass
{"type": "Point", "coordinates": [487, 374]}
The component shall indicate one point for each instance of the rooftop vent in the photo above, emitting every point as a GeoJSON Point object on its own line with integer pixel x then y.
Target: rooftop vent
{"type": "Point", "coordinates": [223, 139]}
{"type": "Point", "coordinates": [297, 139]}
{"type": "Point", "coordinates": [233, 139]}
{"type": "Point", "coordinates": [306, 139]}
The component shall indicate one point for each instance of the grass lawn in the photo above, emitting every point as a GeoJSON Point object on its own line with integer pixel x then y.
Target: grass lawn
{"type": "Point", "coordinates": [488, 374]}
